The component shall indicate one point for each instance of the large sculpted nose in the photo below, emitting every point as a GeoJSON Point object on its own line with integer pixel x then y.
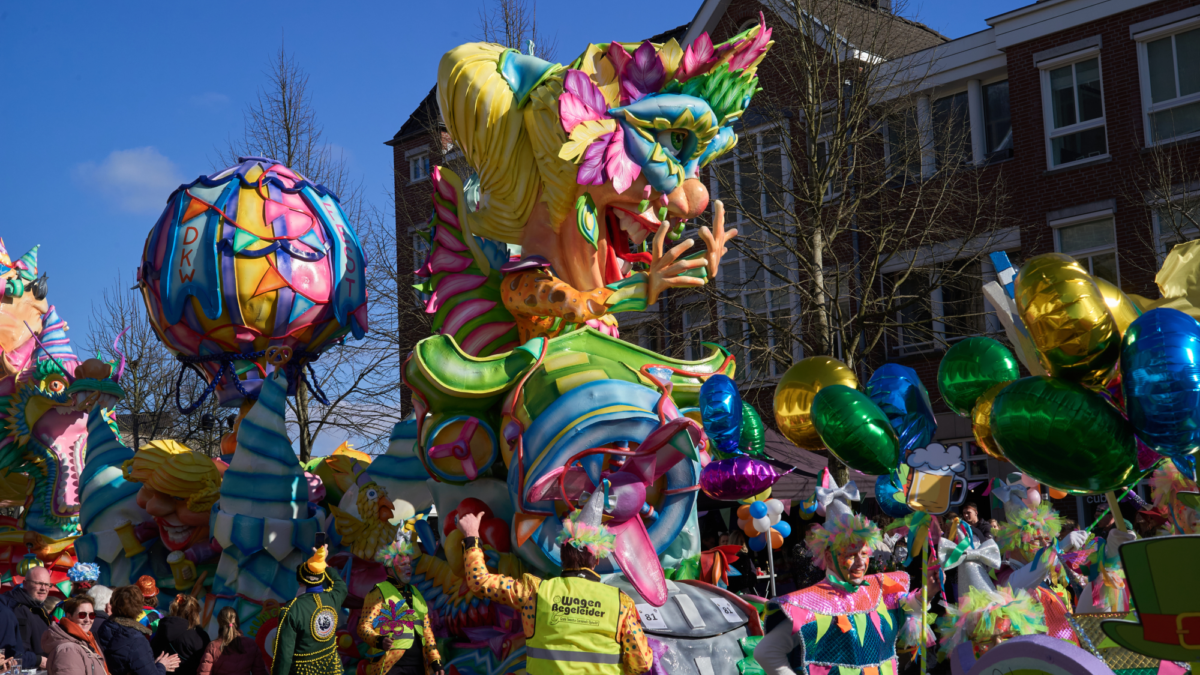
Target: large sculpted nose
{"type": "Point", "coordinates": [689, 200]}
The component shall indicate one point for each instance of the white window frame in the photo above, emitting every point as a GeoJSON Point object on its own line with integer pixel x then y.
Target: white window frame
{"type": "Point", "coordinates": [969, 159]}
{"type": "Point", "coordinates": [937, 315]}
{"type": "Point", "coordinates": [692, 349]}
{"type": "Point", "coordinates": [1057, 225]}
{"type": "Point", "coordinates": [1162, 242]}
{"type": "Point", "coordinates": [734, 159]}
{"type": "Point", "coordinates": [825, 138]}
{"type": "Point", "coordinates": [1148, 107]}
{"type": "Point", "coordinates": [1050, 132]}
{"type": "Point", "coordinates": [414, 157]}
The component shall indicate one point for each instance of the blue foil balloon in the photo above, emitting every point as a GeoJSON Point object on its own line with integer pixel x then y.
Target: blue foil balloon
{"type": "Point", "coordinates": [721, 413]}
{"type": "Point", "coordinates": [1160, 376]}
{"type": "Point", "coordinates": [898, 392]}
{"type": "Point", "coordinates": [886, 489]}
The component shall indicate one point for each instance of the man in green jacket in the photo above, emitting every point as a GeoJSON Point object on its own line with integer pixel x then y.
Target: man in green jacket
{"type": "Point", "coordinates": [305, 642]}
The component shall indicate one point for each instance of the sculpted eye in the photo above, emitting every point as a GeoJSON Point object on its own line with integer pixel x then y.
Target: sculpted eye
{"type": "Point", "coordinates": [371, 494]}
{"type": "Point", "coordinates": [673, 141]}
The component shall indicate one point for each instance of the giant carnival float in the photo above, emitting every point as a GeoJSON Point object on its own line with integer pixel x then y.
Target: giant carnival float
{"type": "Point", "coordinates": [527, 403]}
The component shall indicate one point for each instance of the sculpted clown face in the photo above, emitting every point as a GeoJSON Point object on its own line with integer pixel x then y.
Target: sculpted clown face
{"type": "Point", "coordinates": [18, 315]}
{"type": "Point", "coordinates": [849, 564]}
{"type": "Point", "coordinates": [178, 526]}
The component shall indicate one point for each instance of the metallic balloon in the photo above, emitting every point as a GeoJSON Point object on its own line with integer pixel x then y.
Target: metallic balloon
{"type": "Point", "coordinates": [899, 393]}
{"type": "Point", "coordinates": [1122, 308]}
{"type": "Point", "coordinates": [1160, 380]}
{"type": "Point", "coordinates": [971, 367]}
{"type": "Point", "coordinates": [1062, 307]}
{"type": "Point", "coordinates": [1065, 436]}
{"type": "Point", "coordinates": [981, 422]}
{"type": "Point", "coordinates": [889, 494]}
{"type": "Point", "coordinates": [855, 429]}
{"type": "Point", "coordinates": [753, 439]}
{"type": "Point", "coordinates": [737, 477]}
{"type": "Point", "coordinates": [794, 396]}
{"type": "Point", "coordinates": [721, 410]}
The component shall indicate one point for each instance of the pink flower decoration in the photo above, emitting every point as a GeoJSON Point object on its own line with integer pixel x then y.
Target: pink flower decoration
{"type": "Point", "coordinates": [620, 169]}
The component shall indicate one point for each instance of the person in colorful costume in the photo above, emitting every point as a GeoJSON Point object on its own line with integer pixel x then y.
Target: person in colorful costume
{"type": "Point", "coordinates": [985, 619]}
{"type": "Point", "coordinates": [1029, 542]}
{"type": "Point", "coordinates": [304, 640]}
{"type": "Point", "coordinates": [983, 615]}
{"type": "Point", "coordinates": [1165, 487]}
{"type": "Point", "coordinates": [395, 615]}
{"type": "Point", "coordinates": [150, 613]}
{"type": "Point", "coordinates": [851, 621]}
{"type": "Point", "coordinates": [607, 641]}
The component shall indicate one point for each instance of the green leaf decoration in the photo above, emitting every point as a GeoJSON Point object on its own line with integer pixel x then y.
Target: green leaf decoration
{"type": "Point", "coordinates": [587, 220]}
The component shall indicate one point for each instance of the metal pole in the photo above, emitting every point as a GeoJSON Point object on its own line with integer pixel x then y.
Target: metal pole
{"type": "Point", "coordinates": [924, 601]}
{"type": "Point", "coordinates": [770, 568]}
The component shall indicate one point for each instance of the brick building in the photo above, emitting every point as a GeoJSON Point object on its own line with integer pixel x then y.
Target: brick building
{"type": "Point", "coordinates": [1068, 102]}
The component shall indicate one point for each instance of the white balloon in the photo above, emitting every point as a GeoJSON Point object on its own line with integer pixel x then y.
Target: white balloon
{"type": "Point", "coordinates": [774, 507]}
{"type": "Point", "coordinates": [774, 518]}
{"type": "Point", "coordinates": [762, 524]}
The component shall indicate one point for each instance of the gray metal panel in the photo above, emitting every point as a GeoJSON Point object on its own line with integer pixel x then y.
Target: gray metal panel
{"type": "Point", "coordinates": [715, 622]}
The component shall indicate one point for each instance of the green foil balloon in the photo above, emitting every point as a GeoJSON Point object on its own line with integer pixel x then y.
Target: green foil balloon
{"type": "Point", "coordinates": [970, 368]}
{"type": "Point", "coordinates": [855, 430]}
{"type": "Point", "coordinates": [754, 438]}
{"type": "Point", "coordinates": [1064, 436]}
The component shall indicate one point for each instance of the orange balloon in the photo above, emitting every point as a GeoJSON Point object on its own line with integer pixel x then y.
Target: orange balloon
{"type": "Point", "coordinates": [776, 539]}
{"type": "Point", "coordinates": [743, 512]}
{"type": "Point", "coordinates": [748, 528]}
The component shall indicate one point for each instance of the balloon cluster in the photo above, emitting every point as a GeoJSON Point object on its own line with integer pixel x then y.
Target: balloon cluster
{"type": "Point", "coordinates": [1113, 379]}
{"type": "Point", "coordinates": [818, 405]}
{"type": "Point", "coordinates": [734, 429]}
{"type": "Point", "coordinates": [759, 518]}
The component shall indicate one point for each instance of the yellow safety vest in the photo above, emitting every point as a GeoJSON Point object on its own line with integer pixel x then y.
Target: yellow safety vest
{"type": "Point", "coordinates": [404, 639]}
{"type": "Point", "coordinates": [575, 629]}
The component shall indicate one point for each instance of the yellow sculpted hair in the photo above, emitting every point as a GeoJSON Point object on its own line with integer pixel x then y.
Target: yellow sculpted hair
{"type": "Point", "coordinates": [172, 468]}
{"type": "Point", "coordinates": [482, 116]}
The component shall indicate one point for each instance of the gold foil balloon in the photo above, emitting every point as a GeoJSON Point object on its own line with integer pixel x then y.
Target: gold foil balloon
{"type": "Point", "coordinates": [1067, 318]}
{"type": "Point", "coordinates": [1122, 308]}
{"type": "Point", "coordinates": [981, 423]}
{"type": "Point", "coordinates": [794, 396]}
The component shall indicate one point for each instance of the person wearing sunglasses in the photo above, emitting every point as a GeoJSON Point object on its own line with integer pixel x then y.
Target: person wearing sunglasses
{"type": "Point", "coordinates": [69, 645]}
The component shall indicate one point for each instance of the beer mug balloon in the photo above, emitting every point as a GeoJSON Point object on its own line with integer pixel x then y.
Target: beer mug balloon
{"type": "Point", "coordinates": [936, 472]}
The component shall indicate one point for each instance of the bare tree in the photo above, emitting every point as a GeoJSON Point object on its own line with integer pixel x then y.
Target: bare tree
{"type": "Point", "coordinates": [1166, 180]}
{"type": "Point", "coordinates": [862, 219]}
{"type": "Point", "coordinates": [283, 124]}
{"type": "Point", "coordinates": [149, 410]}
{"type": "Point", "coordinates": [513, 23]}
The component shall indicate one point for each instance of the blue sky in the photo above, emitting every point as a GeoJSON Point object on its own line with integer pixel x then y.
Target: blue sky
{"type": "Point", "coordinates": [107, 107]}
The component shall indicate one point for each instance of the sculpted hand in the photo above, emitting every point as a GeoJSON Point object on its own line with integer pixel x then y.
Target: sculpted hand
{"type": "Point", "coordinates": [469, 524]}
{"type": "Point", "coordinates": [716, 239]}
{"type": "Point", "coordinates": [665, 268]}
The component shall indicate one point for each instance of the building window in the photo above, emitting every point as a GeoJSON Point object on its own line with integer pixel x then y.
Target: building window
{"type": "Point", "coordinates": [952, 130]}
{"type": "Point", "coordinates": [997, 122]}
{"type": "Point", "coordinates": [697, 322]}
{"type": "Point", "coordinates": [833, 185]}
{"type": "Point", "coordinates": [418, 168]}
{"type": "Point", "coordinates": [1175, 225]}
{"type": "Point", "coordinates": [1094, 244]}
{"type": "Point", "coordinates": [647, 334]}
{"type": "Point", "coordinates": [756, 316]}
{"type": "Point", "coordinates": [940, 307]}
{"type": "Point", "coordinates": [755, 182]}
{"type": "Point", "coordinates": [903, 147]}
{"type": "Point", "coordinates": [1171, 87]}
{"type": "Point", "coordinates": [1074, 102]}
